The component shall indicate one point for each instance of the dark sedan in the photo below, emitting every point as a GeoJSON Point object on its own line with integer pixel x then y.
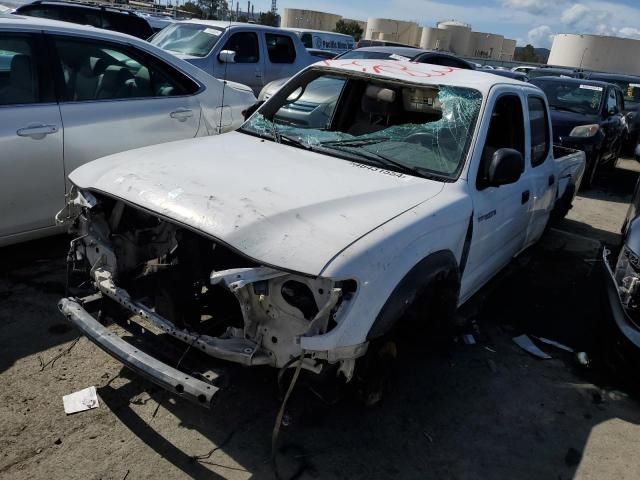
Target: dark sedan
{"type": "Point", "coordinates": [419, 55]}
{"type": "Point", "coordinates": [630, 87]}
{"type": "Point", "coordinates": [586, 115]}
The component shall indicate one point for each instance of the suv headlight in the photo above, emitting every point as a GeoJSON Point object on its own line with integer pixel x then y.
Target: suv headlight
{"type": "Point", "coordinates": [585, 131]}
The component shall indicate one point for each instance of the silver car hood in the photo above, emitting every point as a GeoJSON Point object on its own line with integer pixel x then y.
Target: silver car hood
{"type": "Point", "coordinates": [276, 204]}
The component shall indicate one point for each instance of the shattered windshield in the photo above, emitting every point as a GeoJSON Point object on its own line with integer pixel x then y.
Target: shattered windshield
{"type": "Point", "coordinates": [421, 130]}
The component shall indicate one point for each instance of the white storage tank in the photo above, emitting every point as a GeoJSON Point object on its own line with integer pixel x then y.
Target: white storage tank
{"type": "Point", "coordinates": [311, 19]}
{"type": "Point", "coordinates": [393, 31]}
{"type": "Point", "coordinates": [485, 45]}
{"type": "Point", "coordinates": [460, 36]}
{"type": "Point", "coordinates": [508, 49]}
{"type": "Point", "coordinates": [435, 38]}
{"type": "Point", "coordinates": [595, 52]}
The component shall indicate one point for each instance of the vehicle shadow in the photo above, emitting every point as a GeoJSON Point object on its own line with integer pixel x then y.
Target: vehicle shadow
{"type": "Point", "coordinates": [488, 410]}
{"type": "Point", "coordinates": [614, 184]}
{"type": "Point", "coordinates": [32, 280]}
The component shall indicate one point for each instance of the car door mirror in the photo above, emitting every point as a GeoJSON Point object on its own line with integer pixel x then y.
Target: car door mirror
{"type": "Point", "coordinates": [506, 167]}
{"type": "Point", "coordinates": [636, 153]}
{"type": "Point", "coordinates": [227, 56]}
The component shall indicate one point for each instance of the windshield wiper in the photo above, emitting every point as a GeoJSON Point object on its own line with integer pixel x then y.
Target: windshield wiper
{"type": "Point", "coordinates": [279, 137]}
{"type": "Point", "coordinates": [355, 142]}
{"type": "Point", "coordinates": [387, 162]}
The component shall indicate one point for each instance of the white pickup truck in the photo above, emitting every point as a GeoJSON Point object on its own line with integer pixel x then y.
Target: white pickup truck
{"type": "Point", "coordinates": [359, 192]}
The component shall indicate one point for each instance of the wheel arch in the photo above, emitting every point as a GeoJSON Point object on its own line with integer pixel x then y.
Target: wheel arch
{"type": "Point", "coordinates": [438, 268]}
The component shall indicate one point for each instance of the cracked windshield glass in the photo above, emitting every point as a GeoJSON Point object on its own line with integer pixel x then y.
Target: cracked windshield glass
{"type": "Point", "coordinates": [421, 130]}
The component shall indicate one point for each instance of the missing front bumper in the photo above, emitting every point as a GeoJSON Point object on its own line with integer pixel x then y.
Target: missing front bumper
{"type": "Point", "coordinates": [157, 372]}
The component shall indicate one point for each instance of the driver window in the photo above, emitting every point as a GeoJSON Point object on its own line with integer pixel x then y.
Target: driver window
{"type": "Point", "coordinates": [619, 101]}
{"type": "Point", "coordinates": [506, 130]}
{"type": "Point", "coordinates": [611, 100]}
{"type": "Point", "coordinates": [245, 44]}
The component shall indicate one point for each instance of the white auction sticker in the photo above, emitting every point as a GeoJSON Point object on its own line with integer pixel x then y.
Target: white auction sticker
{"type": "Point", "coordinates": [591, 87]}
{"type": "Point", "coordinates": [634, 85]}
{"type": "Point", "coordinates": [395, 56]}
{"type": "Point", "coordinates": [212, 31]}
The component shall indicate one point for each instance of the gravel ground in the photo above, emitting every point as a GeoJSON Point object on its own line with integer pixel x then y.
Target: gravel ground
{"type": "Point", "coordinates": [479, 411]}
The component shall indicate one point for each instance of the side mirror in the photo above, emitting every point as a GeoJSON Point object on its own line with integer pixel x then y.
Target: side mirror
{"type": "Point", "coordinates": [506, 167]}
{"type": "Point", "coordinates": [636, 153]}
{"type": "Point", "coordinates": [612, 111]}
{"type": "Point", "coordinates": [227, 56]}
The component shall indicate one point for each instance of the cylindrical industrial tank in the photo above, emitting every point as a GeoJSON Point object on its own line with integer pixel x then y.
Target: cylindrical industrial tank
{"type": "Point", "coordinates": [435, 38]}
{"type": "Point", "coordinates": [508, 49]}
{"type": "Point", "coordinates": [297, 18]}
{"type": "Point", "coordinates": [460, 36]}
{"type": "Point", "coordinates": [486, 45]}
{"type": "Point", "coordinates": [393, 31]}
{"type": "Point", "coordinates": [594, 52]}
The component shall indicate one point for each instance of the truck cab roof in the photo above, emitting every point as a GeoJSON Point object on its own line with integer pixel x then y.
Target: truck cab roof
{"type": "Point", "coordinates": [421, 73]}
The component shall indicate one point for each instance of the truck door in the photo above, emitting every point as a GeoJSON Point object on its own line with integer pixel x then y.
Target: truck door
{"type": "Point", "coordinates": [500, 214]}
{"type": "Point", "coordinates": [248, 66]}
{"type": "Point", "coordinates": [281, 56]}
{"type": "Point", "coordinates": [540, 167]}
{"type": "Point", "coordinates": [611, 125]}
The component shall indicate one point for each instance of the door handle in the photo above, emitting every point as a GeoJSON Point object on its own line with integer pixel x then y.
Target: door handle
{"type": "Point", "coordinates": [552, 180]}
{"type": "Point", "coordinates": [181, 114]}
{"type": "Point", "coordinates": [525, 196]}
{"type": "Point", "coordinates": [36, 130]}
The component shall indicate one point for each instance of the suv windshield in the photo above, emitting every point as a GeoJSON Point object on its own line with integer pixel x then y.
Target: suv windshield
{"type": "Point", "coordinates": [421, 130]}
{"type": "Point", "coordinates": [188, 38]}
{"type": "Point", "coordinates": [572, 96]}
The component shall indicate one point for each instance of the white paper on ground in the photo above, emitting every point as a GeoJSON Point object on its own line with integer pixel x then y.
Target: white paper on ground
{"type": "Point", "coordinates": [80, 401]}
{"type": "Point", "coordinates": [525, 343]}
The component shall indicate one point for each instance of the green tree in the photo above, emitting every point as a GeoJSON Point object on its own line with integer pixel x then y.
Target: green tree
{"type": "Point", "coordinates": [269, 19]}
{"type": "Point", "coordinates": [193, 9]}
{"type": "Point", "coordinates": [349, 28]}
{"type": "Point", "coordinates": [526, 54]}
{"type": "Point", "coordinates": [209, 8]}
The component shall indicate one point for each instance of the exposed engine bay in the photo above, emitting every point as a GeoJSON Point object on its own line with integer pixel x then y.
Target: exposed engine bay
{"type": "Point", "coordinates": [627, 277]}
{"type": "Point", "coordinates": [201, 291]}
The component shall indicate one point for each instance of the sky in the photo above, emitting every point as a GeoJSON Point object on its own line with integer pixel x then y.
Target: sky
{"type": "Point", "coordinates": [527, 21]}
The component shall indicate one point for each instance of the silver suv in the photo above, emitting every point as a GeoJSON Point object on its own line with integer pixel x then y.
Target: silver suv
{"type": "Point", "coordinates": [70, 94]}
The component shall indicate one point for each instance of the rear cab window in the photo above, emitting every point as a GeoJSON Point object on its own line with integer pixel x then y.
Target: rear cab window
{"type": "Point", "coordinates": [280, 48]}
{"type": "Point", "coordinates": [539, 125]}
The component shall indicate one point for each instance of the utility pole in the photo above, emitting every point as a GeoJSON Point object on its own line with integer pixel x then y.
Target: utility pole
{"type": "Point", "coordinates": [274, 7]}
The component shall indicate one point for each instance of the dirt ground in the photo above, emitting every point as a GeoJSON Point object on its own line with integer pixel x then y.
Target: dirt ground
{"type": "Point", "coordinates": [483, 411]}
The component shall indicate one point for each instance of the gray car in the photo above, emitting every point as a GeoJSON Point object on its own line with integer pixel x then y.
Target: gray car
{"type": "Point", "coordinates": [70, 94]}
{"type": "Point", "coordinates": [251, 54]}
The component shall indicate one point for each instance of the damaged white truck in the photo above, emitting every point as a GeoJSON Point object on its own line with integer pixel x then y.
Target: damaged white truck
{"type": "Point", "coordinates": [360, 191]}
